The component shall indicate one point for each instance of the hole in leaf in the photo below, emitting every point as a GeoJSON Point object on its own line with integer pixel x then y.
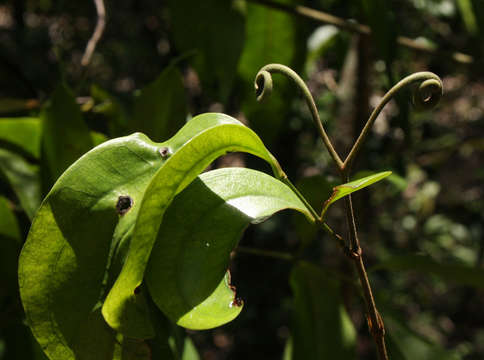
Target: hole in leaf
{"type": "Point", "coordinates": [124, 204]}
{"type": "Point", "coordinates": [137, 290]}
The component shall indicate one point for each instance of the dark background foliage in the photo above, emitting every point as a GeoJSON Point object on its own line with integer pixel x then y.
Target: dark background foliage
{"type": "Point", "coordinates": [158, 63]}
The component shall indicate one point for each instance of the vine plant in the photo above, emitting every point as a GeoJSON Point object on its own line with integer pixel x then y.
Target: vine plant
{"type": "Point", "coordinates": [133, 227]}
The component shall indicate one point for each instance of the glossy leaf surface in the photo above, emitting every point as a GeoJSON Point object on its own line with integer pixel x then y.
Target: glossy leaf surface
{"type": "Point", "coordinates": [321, 327]}
{"type": "Point", "coordinates": [63, 263]}
{"type": "Point", "coordinates": [343, 190]}
{"type": "Point", "coordinates": [224, 135]}
{"type": "Point", "coordinates": [202, 226]}
{"type": "Point", "coordinates": [81, 235]}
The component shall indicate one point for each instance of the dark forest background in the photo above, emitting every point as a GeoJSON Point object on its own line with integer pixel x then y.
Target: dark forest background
{"type": "Point", "coordinates": [158, 63]}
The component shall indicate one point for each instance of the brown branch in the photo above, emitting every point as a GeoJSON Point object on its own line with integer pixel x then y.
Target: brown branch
{"type": "Point", "coordinates": [96, 35]}
{"type": "Point", "coordinates": [353, 26]}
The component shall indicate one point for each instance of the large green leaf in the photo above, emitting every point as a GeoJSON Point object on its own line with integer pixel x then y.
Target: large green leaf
{"type": "Point", "coordinates": [160, 108]}
{"type": "Point", "coordinates": [185, 275]}
{"type": "Point", "coordinates": [216, 33]}
{"type": "Point", "coordinates": [120, 308]}
{"type": "Point", "coordinates": [81, 235]}
{"type": "Point", "coordinates": [343, 190]}
{"type": "Point", "coordinates": [457, 273]}
{"type": "Point", "coordinates": [63, 263]}
{"type": "Point", "coordinates": [65, 135]}
{"type": "Point", "coordinates": [23, 178]}
{"type": "Point", "coordinates": [23, 133]}
{"type": "Point", "coordinates": [321, 327]}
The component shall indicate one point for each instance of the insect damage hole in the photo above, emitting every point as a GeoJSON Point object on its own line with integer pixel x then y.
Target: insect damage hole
{"type": "Point", "coordinates": [124, 204]}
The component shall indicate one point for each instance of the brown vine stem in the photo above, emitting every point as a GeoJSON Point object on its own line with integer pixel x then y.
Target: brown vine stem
{"type": "Point", "coordinates": [427, 95]}
{"type": "Point", "coordinates": [96, 35]}
{"type": "Point", "coordinates": [352, 26]}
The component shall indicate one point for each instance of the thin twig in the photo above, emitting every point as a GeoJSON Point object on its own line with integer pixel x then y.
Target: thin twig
{"type": "Point", "coordinates": [96, 35]}
{"type": "Point", "coordinates": [353, 26]}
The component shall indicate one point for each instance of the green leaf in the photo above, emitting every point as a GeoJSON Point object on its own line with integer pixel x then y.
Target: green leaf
{"type": "Point", "coordinates": [321, 327]}
{"type": "Point", "coordinates": [218, 135]}
{"type": "Point", "coordinates": [216, 33]}
{"type": "Point", "coordinates": [343, 190]}
{"type": "Point", "coordinates": [160, 108]}
{"type": "Point", "coordinates": [87, 229]}
{"type": "Point", "coordinates": [271, 37]}
{"type": "Point", "coordinates": [186, 271]}
{"type": "Point", "coordinates": [189, 350]}
{"type": "Point", "coordinates": [73, 237]}
{"type": "Point", "coordinates": [65, 135]}
{"type": "Point", "coordinates": [23, 132]}
{"type": "Point", "coordinates": [24, 180]}
{"type": "Point", "coordinates": [456, 273]}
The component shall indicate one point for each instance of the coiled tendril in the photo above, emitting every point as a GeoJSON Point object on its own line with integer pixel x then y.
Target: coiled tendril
{"type": "Point", "coordinates": [425, 96]}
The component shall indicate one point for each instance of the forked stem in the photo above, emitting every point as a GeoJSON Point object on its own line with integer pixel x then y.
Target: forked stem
{"type": "Point", "coordinates": [425, 96]}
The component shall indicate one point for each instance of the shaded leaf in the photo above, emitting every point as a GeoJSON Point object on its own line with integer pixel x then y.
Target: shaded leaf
{"type": "Point", "coordinates": [271, 37]}
{"type": "Point", "coordinates": [185, 275]}
{"type": "Point", "coordinates": [343, 190]}
{"type": "Point", "coordinates": [383, 24]}
{"type": "Point", "coordinates": [23, 178]}
{"type": "Point", "coordinates": [321, 327]}
{"type": "Point", "coordinates": [160, 108]}
{"type": "Point", "coordinates": [65, 135]}
{"type": "Point", "coordinates": [407, 344]}
{"type": "Point", "coordinates": [218, 135]}
{"type": "Point", "coordinates": [467, 12]}
{"type": "Point", "coordinates": [8, 223]}
{"type": "Point", "coordinates": [456, 273]}
{"type": "Point", "coordinates": [216, 33]}
{"type": "Point", "coordinates": [22, 132]}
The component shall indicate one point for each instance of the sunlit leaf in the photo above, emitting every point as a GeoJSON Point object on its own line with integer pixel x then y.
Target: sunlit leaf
{"type": "Point", "coordinates": [185, 275]}
{"type": "Point", "coordinates": [321, 328]}
{"type": "Point", "coordinates": [343, 190]}
{"type": "Point", "coordinates": [218, 135]}
{"type": "Point", "coordinates": [73, 236]}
